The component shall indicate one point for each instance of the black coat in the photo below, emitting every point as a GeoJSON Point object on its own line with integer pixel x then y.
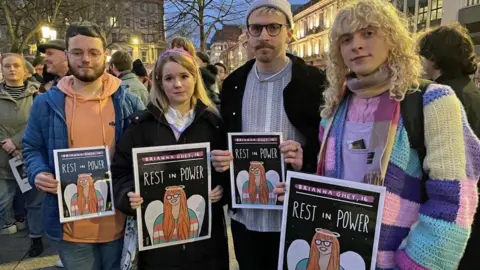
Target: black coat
{"type": "Point", "coordinates": [150, 128]}
{"type": "Point", "coordinates": [469, 96]}
{"type": "Point", "coordinates": [302, 99]}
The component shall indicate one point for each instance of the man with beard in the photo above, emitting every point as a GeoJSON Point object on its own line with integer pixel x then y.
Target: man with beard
{"type": "Point", "coordinates": [84, 110]}
{"type": "Point", "coordinates": [275, 92]}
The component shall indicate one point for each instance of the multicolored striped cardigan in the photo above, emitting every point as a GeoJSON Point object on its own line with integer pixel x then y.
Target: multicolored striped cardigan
{"type": "Point", "coordinates": [429, 234]}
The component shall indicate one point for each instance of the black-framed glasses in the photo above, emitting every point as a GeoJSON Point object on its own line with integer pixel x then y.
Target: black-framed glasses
{"type": "Point", "coordinates": [273, 29]}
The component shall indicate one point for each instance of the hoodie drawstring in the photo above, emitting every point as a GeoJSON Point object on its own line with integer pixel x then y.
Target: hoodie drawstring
{"type": "Point", "coordinates": [70, 134]}
{"type": "Point", "coordinates": [102, 123]}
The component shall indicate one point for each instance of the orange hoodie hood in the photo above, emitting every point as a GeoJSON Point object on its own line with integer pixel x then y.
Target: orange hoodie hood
{"type": "Point", "coordinates": [110, 86]}
{"type": "Point", "coordinates": [77, 104]}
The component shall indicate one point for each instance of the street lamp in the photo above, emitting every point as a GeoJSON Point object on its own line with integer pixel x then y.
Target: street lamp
{"type": "Point", "coordinates": [48, 33]}
{"type": "Point", "coordinates": [135, 41]}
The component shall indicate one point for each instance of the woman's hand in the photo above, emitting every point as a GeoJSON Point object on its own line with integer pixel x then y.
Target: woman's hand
{"type": "Point", "coordinates": [216, 194]}
{"type": "Point", "coordinates": [221, 160]}
{"type": "Point", "coordinates": [280, 190]}
{"type": "Point", "coordinates": [135, 200]}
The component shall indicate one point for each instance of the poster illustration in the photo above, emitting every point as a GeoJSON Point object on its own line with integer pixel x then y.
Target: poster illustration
{"type": "Point", "coordinates": [256, 168]}
{"type": "Point", "coordinates": [20, 173]}
{"type": "Point", "coordinates": [330, 224]}
{"type": "Point", "coordinates": [85, 184]}
{"type": "Point", "coordinates": [174, 182]}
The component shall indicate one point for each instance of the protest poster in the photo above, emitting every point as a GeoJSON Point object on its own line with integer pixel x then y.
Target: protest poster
{"type": "Point", "coordinates": [20, 173]}
{"type": "Point", "coordinates": [174, 182]}
{"type": "Point", "coordinates": [330, 224]}
{"type": "Point", "coordinates": [256, 168]}
{"type": "Point", "coordinates": [85, 183]}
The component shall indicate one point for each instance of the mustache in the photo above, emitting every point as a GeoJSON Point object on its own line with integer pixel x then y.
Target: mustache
{"type": "Point", "coordinates": [263, 45]}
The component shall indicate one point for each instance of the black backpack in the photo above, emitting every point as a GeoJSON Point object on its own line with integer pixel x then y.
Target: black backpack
{"type": "Point", "coordinates": [411, 109]}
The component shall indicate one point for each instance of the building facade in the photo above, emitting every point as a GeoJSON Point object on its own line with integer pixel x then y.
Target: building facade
{"type": "Point", "coordinates": [223, 39]}
{"type": "Point", "coordinates": [312, 24]}
{"type": "Point", "coordinates": [314, 19]}
{"type": "Point", "coordinates": [237, 54]}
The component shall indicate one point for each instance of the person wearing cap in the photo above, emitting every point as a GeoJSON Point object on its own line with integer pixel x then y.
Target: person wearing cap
{"type": "Point", "coordinates": [202, 59]}
{"type": "Point", "coordinates": [275, 92]}
{"type": "Point", "coordinates": [55, 58]}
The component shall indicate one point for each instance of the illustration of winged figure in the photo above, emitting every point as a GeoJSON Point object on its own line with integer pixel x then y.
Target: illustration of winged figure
{"type": "Point", "coordinates": [257, 186]}
{"type": "Point", "coordinates": [176, 218]}
{"type": "Point", "coordinates": [87, 196]}
{"type": "Point", "coordinates": [323, 253]}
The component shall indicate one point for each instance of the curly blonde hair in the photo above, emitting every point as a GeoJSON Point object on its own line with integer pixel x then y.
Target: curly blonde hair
{"type": "Point", "coordinates": [403, 62]}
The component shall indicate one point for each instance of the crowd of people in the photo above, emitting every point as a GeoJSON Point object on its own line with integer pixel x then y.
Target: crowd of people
{"type": "Point", "coordinates": [411, 99]}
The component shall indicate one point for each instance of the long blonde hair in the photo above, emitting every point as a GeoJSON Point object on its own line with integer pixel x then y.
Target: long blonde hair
{"type": "Point", "coordinates": [157, 94]}
{"type": "Point", "coordinates": [403, 62]}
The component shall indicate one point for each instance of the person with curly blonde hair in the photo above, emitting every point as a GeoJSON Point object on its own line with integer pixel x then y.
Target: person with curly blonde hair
{"type": "Point", "coordinates": [384, 126]}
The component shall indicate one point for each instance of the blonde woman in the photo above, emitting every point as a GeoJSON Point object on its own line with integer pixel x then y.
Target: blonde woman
{"type": "Point", "coordinates": [375, 109]}
{"type": "Point", "coordinates": [180, 112]}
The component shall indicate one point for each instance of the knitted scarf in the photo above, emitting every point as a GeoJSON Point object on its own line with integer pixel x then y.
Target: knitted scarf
{"type": "Point", "coordinates": [383, 133]}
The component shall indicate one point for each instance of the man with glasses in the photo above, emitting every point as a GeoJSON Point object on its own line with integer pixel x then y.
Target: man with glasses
{"type": "Point", "coordinates": [87, 109]}
{"type": "Point", "coordinates": [275, 92]}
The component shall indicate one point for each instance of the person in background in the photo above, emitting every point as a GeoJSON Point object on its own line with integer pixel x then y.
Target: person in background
{"type": "Point", "coordinates": [419, 144]}
{"type": "Point", "coordinates": [222, 72]}
{"type": "Point", "coordinates": [275, 92]}
{"type": "Point", "coordinates": [55, 58]}
{"type": "Point", "coordinates": [202, 59]}
{"type": "Point", "coordinates": [141, 72]}
{"type": "Point", "coordinates": [185, 44]}
{"type": "Point", "coordinates": [121, 66]}
{"type": "Point", "coordinates": [449, 58]}
{"type": "Point", "coordinates": [173, 119]}
{"type": "Point", "coordinates": [16, 99]}
{"type": "Point", "coordinates": [88, 109]}
{"type": "Point", "coordinates": [38, 65]}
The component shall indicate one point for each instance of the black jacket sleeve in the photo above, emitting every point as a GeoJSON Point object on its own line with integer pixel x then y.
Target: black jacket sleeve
{"type": "Point", "coordinates": [122, 172]}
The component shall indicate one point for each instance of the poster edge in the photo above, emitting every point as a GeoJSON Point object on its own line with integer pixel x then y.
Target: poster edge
{"type": "Point", "coordinates": [281, 249]}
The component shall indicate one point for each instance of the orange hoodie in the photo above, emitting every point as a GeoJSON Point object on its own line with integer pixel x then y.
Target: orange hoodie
{"type": "Point", "coordinates": [89, 124]}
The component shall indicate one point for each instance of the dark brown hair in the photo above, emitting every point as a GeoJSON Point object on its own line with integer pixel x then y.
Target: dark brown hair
{"type": "Point", "coordinates": [85, 28]}
{"type": "Point", "coordinates": [122, 61]}
{"type": "Point", "coordinates": [451, 49]}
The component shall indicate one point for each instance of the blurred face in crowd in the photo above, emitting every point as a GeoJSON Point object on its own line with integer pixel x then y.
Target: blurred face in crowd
{"type": "Point", "coordinates": [222, 73]}
{"type": "Point", "coordinates": [365, 50]}
{"type": "Point", "coordinates": [13, 69]}
{"type": "Point", "coordinates": [39, 69]}
{"type": "Point", "coordinates": [56, 61]}
{"type": "Point", "coordinates": [178, 83]}
{"type": "Point", "coordinates": [86, 58]}
{"type": "Point", "coordinates": [268, 34]}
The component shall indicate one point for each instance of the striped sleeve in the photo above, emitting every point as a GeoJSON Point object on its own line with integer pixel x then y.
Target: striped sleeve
{"type": "Point", "coordinates": [439, 238]}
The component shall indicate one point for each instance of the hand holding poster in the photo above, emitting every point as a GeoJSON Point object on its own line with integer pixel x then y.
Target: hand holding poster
{"type": "Point", "coordinates": [330, 224]}
{"type": "Point", "coordinates": [85, 184]}
{"type": "Point", "coordinates": [174, 182]}
{"type": "Point", "coordinates": [256, 168]}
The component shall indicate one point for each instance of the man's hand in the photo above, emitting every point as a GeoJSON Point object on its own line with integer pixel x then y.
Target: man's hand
{"type": "Point", "coordinates": [293, 154]}
{"type": "Point", "coordinates": [46, 182]}
{"type": "Point", "coordinates": [221, 160]}
{"type": "Point", "coordinates": [8, 146]}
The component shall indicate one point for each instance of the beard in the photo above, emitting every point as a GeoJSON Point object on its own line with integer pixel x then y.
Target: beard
{"type": "Point", "coordinates": [89, 75]}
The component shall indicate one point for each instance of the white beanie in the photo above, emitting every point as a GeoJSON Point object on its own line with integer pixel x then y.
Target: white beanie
{"type": "Point", "coordinates": [281, 5]}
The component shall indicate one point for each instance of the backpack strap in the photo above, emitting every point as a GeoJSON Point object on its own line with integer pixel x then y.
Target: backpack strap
{"type": "Point", "coordinates": [411, 109]}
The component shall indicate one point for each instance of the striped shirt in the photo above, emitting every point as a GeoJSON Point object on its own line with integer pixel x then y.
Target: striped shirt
{"type": "Point", "coordinates": [263, 111]}
{"type": "Point", "coordinates": [15, 91]}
